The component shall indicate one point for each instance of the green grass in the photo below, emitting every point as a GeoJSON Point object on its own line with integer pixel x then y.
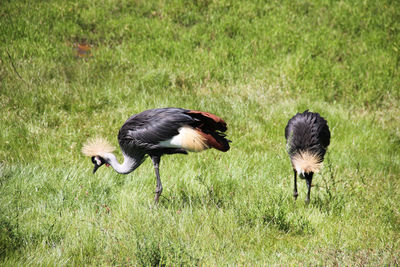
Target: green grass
{"type": "Point", "coordinates": [255, 64]}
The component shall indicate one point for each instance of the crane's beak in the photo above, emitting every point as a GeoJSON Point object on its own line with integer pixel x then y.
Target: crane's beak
{"type": "Point", "coordinates": [95, 168]}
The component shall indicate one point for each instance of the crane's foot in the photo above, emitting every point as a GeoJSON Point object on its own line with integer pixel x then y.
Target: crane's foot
{"type": "Point", "coordinates": [307, 201]}
{"type": "Point", "coordinates": [158, 194]}
{"type": "Point", "coordinates": [295, 195]}
{"type": "Point", "coordinates": [156, 198]}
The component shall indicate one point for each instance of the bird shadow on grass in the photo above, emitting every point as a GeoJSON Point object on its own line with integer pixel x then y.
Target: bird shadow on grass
{"type": "Point", "coordinates": [10, 238]}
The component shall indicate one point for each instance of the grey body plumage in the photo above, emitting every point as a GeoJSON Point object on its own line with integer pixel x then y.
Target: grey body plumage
{"type": "Point", "coordinates": [143, 132]}
{"type": "Point", "coordinates": [308, 138]}
{"type": "Point", "coordinates": [157, 132]}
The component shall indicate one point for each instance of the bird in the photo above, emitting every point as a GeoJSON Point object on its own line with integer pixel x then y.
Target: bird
{"type": "Point", "coordinates": [157, 132]}
{"type": "Point", "coordinates": [307, 139]}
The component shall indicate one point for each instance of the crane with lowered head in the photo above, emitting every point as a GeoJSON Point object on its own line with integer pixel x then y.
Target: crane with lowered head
{"type": "Point", "coordinates": [308, 137]}
{"type": "Point", "coordinates": [157, 132]}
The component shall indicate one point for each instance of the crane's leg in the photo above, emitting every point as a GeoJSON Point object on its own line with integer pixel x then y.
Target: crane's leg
{"type": "Point", "coordinates": [156, 163]}
{"type": "Point", "coordinates": [295, 194]}
{"type": "Point", "coordinates": [308, 180]}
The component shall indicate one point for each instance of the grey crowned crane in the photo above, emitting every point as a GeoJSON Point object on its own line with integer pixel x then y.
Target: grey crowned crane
{"type": "Point", "coordinates": [308, 137]}
{"type": "Point", "coordinates": [157, 132]}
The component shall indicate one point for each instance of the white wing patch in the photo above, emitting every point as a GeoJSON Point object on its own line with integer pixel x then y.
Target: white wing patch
{"type": "Point", "coordinates": [188, 138]}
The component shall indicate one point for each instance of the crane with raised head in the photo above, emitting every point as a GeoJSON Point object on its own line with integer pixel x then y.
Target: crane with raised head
{"type": "Point", "coordinates": [156, 132]}
{"type": "Point", "coordinates": [308, 137]}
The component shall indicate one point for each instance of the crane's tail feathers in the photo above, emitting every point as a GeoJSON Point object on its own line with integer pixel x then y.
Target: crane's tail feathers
{"type": "Point", "coordinates": [97, 147]}
{"type": "Point", "coordinates": [216, 140]}
{"type": "Point", "coordinates": [306, 162]}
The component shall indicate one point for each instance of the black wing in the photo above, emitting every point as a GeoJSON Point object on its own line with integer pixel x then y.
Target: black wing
{"type": "Point", "coordinates": [144, 131]}
{"type": "Point", "coordinates": [324, 135]}
{"type": "Point", "coordinates": [307, 131]}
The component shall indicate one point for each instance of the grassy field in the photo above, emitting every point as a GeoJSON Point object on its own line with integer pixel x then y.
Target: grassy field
{"type": "Point", "coordinates": [255, 64]}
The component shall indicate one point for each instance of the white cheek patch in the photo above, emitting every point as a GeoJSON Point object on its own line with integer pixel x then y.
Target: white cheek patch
{"type": "Point", "coordinates": [98, 161]}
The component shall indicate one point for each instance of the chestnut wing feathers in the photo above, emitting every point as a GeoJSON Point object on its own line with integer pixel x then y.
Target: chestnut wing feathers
{"type": "Point", "coordinates": [211, 127]}
{"type": "Point", "coordinates": [210, 121]}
